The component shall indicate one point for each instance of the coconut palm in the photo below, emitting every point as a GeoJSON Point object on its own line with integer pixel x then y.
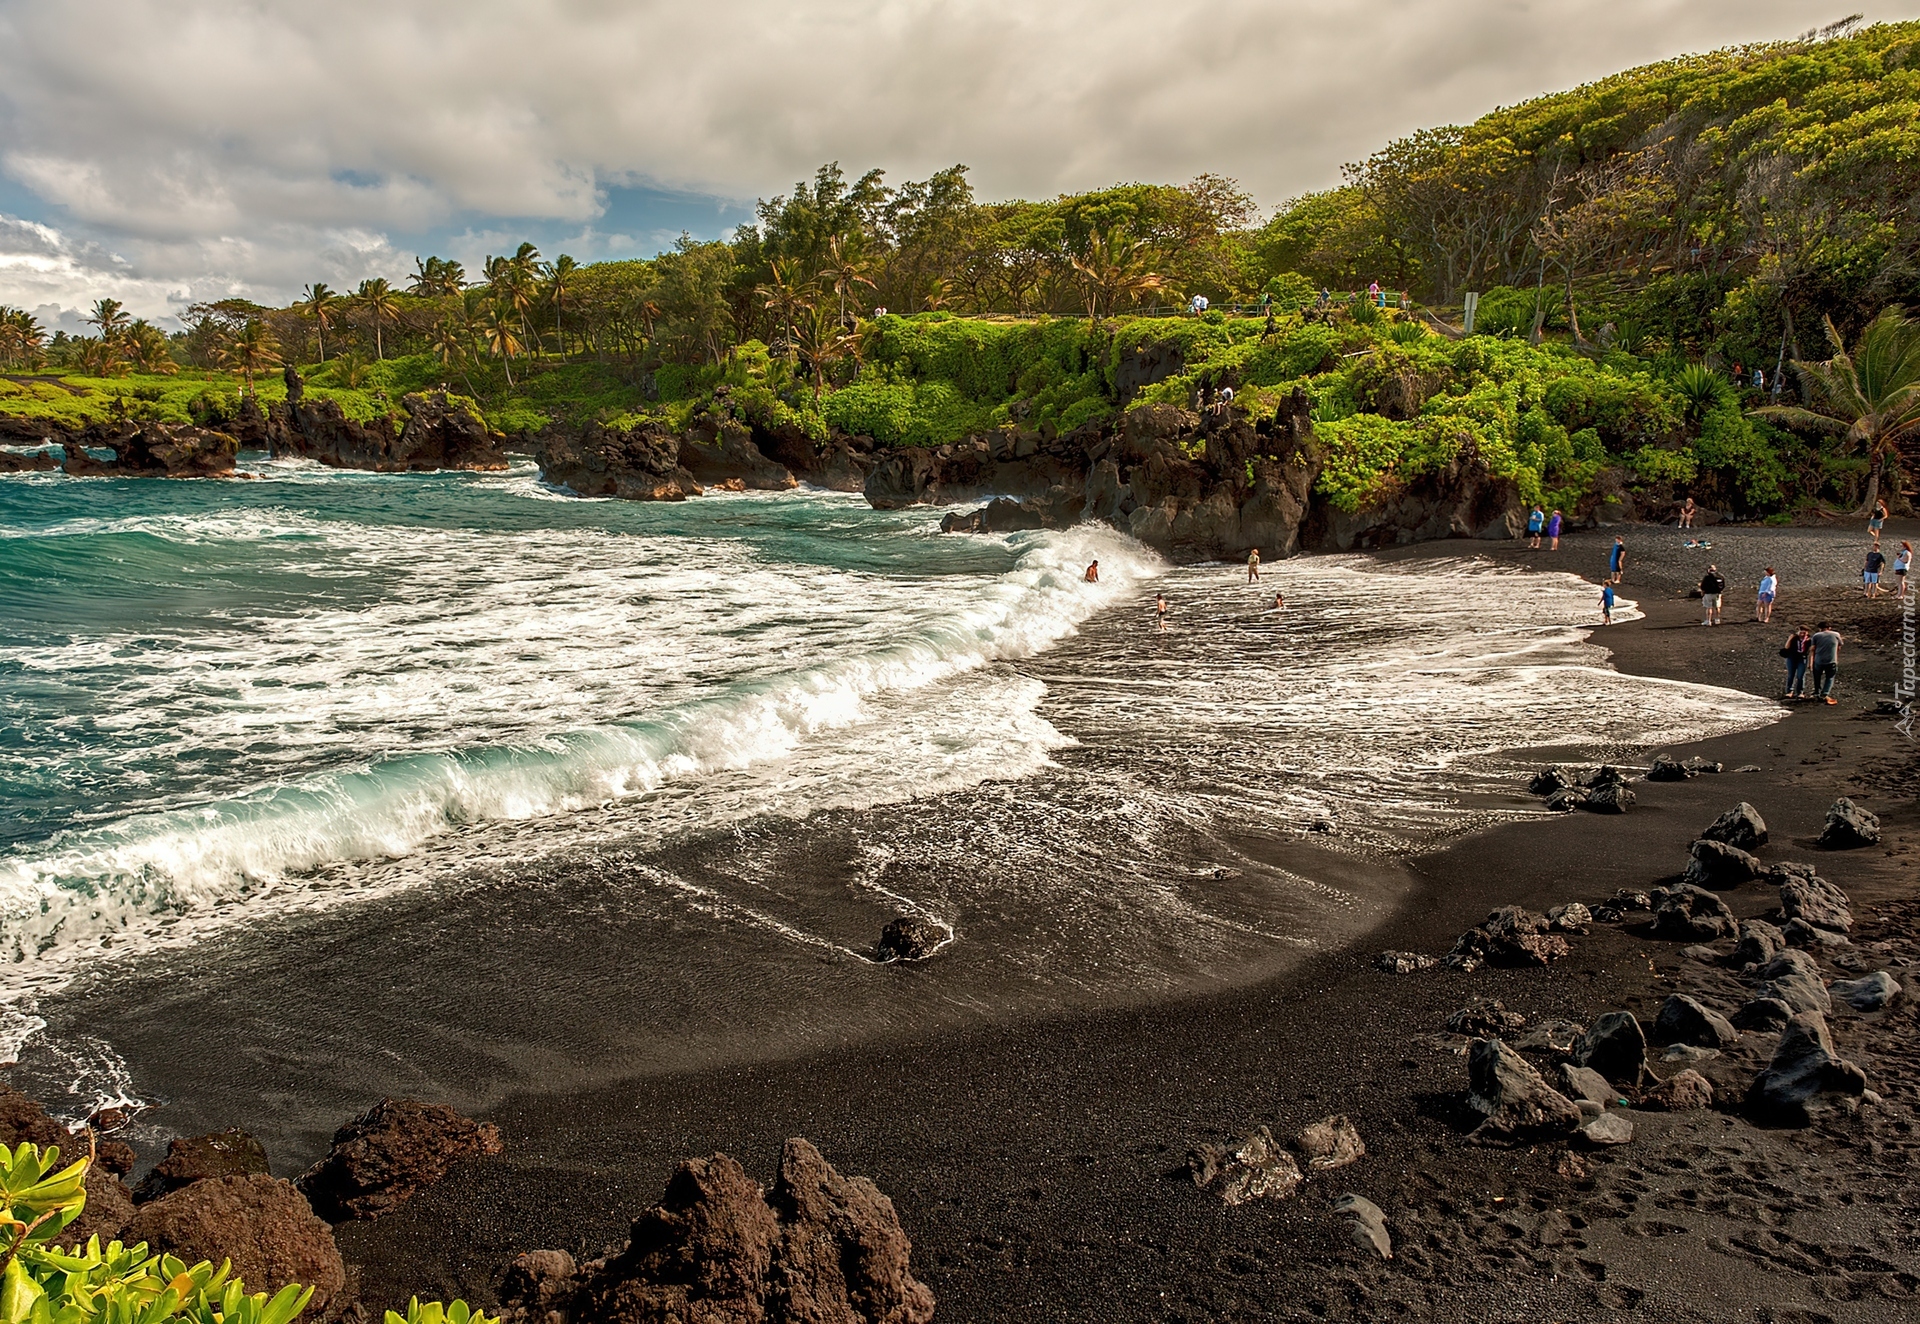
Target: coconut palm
{"type": "Point", "coordinates": [500, 333]}
{"type": "Point", "coordinates": [783, 298]}
{"type": "Point", "coordinates": [376, 303]}
{"type": "Point", "coordinates": [560, 275]}
{"type": "Point", "coordinates": [1114, 267]}
{"type": "Point", "coordinates": [1871, 396]}
{"type": "Point", "coordinates": [449, 340]}
{"type": "Point", "coordinates": [99, 358]}
{"type": "Point", "coordinates": [321, 304]}
{"type": "Point", "coordinates": [436, 277]}
{"type": "Point", "coordinates": [843, 270]}
{"type": "Point", "coordinates": [21, 337]}
{"type": "Point", "coordinates": [111, 317]}
{"type": "Point", "coordinates": [251, 349]}
{"type": "Point", "coordinates": [824, 342]}
{"type": "Point", "coordinates": [147, 347]}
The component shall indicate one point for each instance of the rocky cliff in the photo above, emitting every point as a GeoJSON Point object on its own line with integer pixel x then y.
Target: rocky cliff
{"type": "Point", "coordinates": [438, 431]}
{"type": "Point", "coordinates": [717, 451]}
{"type": "Point", "coordinates": [134, 449]}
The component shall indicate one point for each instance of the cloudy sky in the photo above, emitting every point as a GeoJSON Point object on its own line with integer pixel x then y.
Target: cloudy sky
{"type": "Point", "coordinates": [167, 152]}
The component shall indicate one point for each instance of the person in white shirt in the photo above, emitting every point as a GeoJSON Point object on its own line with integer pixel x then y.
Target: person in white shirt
{"type": "Point", "coordinates": [1769, 586]}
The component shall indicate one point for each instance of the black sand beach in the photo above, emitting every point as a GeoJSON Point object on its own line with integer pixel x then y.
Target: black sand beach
{"type": "Point", "coordinates": [1039, 1168]}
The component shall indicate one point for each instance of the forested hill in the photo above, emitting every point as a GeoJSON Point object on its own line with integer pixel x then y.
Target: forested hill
{"type": "Point", "coordinates": [1696, 204]}
{"type": "Point", "coordinates": [1632, 242]}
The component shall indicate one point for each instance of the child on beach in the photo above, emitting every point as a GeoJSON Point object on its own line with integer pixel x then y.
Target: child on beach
{"type": "Point", "coordinates": [1902, 563]}
{"type": "Point", "coordinates": [1763, 605]}
{"type": "Point", "coordinates": [1606, 602]}
{"type": "Point", "coordinates": [1553, 532]}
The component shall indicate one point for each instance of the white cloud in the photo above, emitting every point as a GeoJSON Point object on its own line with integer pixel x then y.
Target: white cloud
{"type": "Point", "coordinates": [228, 146]}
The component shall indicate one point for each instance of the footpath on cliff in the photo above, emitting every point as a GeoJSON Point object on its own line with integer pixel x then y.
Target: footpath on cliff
{"type": "Point", "coordinates": [1048, 1171]}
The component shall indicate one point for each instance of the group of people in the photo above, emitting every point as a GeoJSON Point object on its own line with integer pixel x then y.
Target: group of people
{"type": "Point", "coordinates": [1542, 525]}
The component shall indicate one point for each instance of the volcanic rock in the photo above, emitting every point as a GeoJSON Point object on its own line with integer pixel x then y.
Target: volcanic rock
{"type": "Point", "coordinates": [1805, 1077]}
{"type": "Point", "coordinates": [910, 938]}
{"type": "Point", "coordinates": [1759, 943]}
{"type": "Point", "coordinates": [1683, 1091]}
{"type": "Point", "coordinates": [1717, 865]}
{"type": "Point", "coordinates": [1740, 827]}
{"type": "Point", "coordinates": [1584, 1084]}
{"type": "Point", "coordinates": [381, 1158]}
{"type": "Point", "coordinates": [1567, 799]}
{"type": "Point", "coordinates": [1548, 780]}
{"type": "Point", "coordinates": [1684, 1020]}
{"type": "Point", "coordinates": [1794, 978]}
{"type": "Point", "coordinates": [1667, 769]}
{"type": "Point", "coordinates": [202, 1158]}
{"type": "Point", "coordinates": [263, 1226]}
{"type": "Point", "coordinates": [1573, 917]}
{"type": "Point", "coordinates": [1817, 902]}
{"type": "Point", "coordinates": [1251, 1169]}
{"type": "Point", "coordinates": [1605, 1131]}
{"type": "Point", "coordinates": [1874, 992]}
{"type": "Point", "coordinates": [1610, 798]}
{"type": "Point", "coordinates": [1404, 963]}
{"type": "Point", "coordinates": [1366, 1226]}
{"type": "Point", "coordinates": [1331, 1142]}
{"type": "Point", "coordinates": [1690, 914]}
{"type": "Point", "coordinates": [1763, 1014]}
{"type": "Point", "coordinates": [1516, 1103]}
{"type": "Point", "coordinates": [1848, 826]}
{"type": "Point", "coordinates": [1616, 1047]}
{"type": "Point", "coordinates": [1486, 1019]}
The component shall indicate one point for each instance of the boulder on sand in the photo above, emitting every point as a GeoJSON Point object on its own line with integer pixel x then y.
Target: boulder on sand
{"type": "Point", "coordinates": [1331, 1142]}
{"type": "Point", "coordinates": [910, 938]}
{"type": "Point", "coordinates": [1684, 1091]}
{"type": "Point", "coordinates": [1816, 901]}
{"type": "Point", "coordinates": [1485, 1019]}
{"type": "Point", "coordinates": [263, 1226]}
{"type": "Point", "coordinates": [1404, 963]}
{"type": "Point", "coordinates": [1510, 936]}
{"type": "Point", "coordinates": [1548, 780]}
{"type": "Point", "coordinates": [718, 1249]}
{"type": "Point", "coordinates": [1668, 769]}
{"type": "Point", "coordinates": [1685, 1020]}
{"type": "Point", "coordinates": [1740, 827]}
{"type": "Point", "coordinates": [1251, 1169]}
{"type": "Point", "coordinates": [1616, 1047]}
{"type": "Point", "coordinates": [1366, 1226]}
{"type": "Point", "coordinates": [381, 1158]}
{"type": "Point", "coordinates": [1687, 913]}
{"type": "Point", "coordinates": [1759, 943]}
{"type": "Point", "coordinates": [231, 1153]}
{"type": "Point", "coordinates": [1805, 1077]}
{"type": "Point", "coordinates": [1874, 992]}
{"type": "Point", "coordinates": [1848, 827]}
{"type": "Point", "coordinates": [1793, 977]}
{"type": "Point", "coordinates": [1765, 1014]}
{"type": "Point", "coordinates": [1605, 1131]}
{"type": "Point", "coordinates": [1516, 1102]}
{"type": "Point", "coordinates": [1717, 865]}
{"type": "Point", "coordinates": [1609, 798]}
{"type": "Point", "coordinates": [1584, 1084]}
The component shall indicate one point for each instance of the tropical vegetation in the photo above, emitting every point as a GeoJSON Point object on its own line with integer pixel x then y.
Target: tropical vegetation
{"type": "Point", "coordinates": [1635, 247]}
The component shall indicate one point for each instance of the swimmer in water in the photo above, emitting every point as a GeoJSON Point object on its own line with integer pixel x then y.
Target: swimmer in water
{"type": "Point", "coordinates": [1160, 610]}
{"type": "Point", "coordinates": [1093, 572]}
{"type": "Point", "coordinates": [1279, 602]}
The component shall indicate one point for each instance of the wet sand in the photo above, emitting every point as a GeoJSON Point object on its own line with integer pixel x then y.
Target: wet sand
{"type": "Point", "coordinates": [1038, 1167]}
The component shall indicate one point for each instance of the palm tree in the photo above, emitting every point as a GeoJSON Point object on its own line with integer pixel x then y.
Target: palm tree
{"type": "Point", "coordinates": [374, 298]}
{"type": "Point", "coordinates": [843, 271]}
{"type": "Point", "coordinates": [1872, 395]}
{"type": "Point", "coordinates": [20, 337]}
{"type": "Point", "coordinates": [560, 273]}
{"type": "Point", "coordinates": [824, 342]}
{"type": "Point", "coordinates": [436, 277]}
{"type": "Point", "coordinates": [500, 334]}
{"type": "Point", "coordinates": [781, 296]}
{"type": "Point", "coordinates": [525, 264]}
{"type": "Point", "coordinates": [250, 350]}
{"type": "Point", "coordinates": [319, 303]}
{"type": "Point", "coordinates": [148, 348]}
{"type": "Point", "coordinates": [1114, 265]}
{"type": "Point", "coordinates": [110, 317]}
{"type": "Point", "coordinates": [450, 347]}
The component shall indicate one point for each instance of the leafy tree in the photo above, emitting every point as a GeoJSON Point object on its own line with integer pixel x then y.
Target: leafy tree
{"type": "Point", "coordinates": [320, 304]}
{"type": "Point", "coordinates": [1870, 396]}
{"type": "Point", "coordinates": [249, 351]}
{"type": "Point", "coordinates": [111, 317]}
{"type": "Point", "coordinates": [1114, 266]}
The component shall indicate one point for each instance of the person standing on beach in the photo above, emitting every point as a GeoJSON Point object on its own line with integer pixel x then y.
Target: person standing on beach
{"type": "Point", "coordinates": [1553, 532]}
{"type": "Point", "coordinates": [1160, 610]}
{"type": "Point", "coordinates": [1686, 513]}
{"type": "Point", "coordinates": [1606, 602]}
{"type": "Point", "coordinates": [1253, 565]}
{"type": "Point", "coordinates": [1799, 646]}
{"type": "Point", "coordinates": [1877, 520]}
{"type": "Point", "coordinates": [1093, 571]}
{"type": "Point", "coordinates": [1617, 562]}
{"type": "Point", "coordinates": [1825, 648]}
{"type": "Point", "coordinates": [1902, 564]}
{"type": "Point", "coordinates": [1536, 520]}
{"type": "Point", "coordinates": [1870, 573]}
{"type": "Point", "coordinates": [1711, 587]}
{"type": "Point", "coordinates": [1763, 604]}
